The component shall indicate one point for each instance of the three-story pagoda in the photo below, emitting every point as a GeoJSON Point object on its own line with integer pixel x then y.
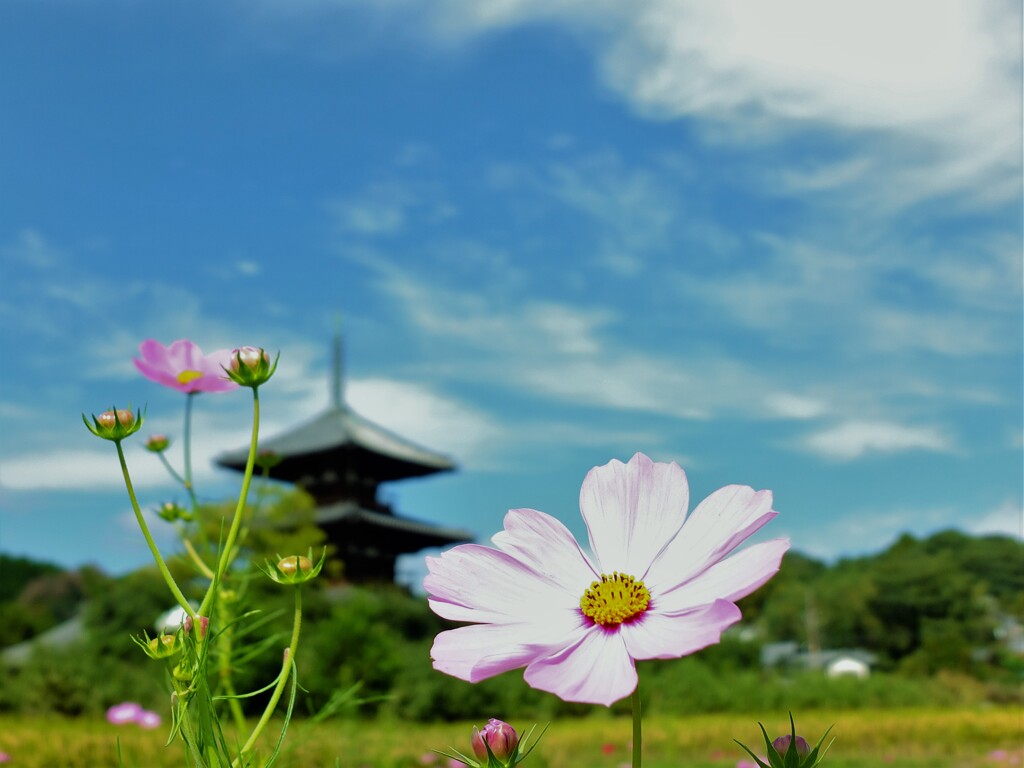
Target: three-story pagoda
{"type": "Point", "coordinates": [340, 459]}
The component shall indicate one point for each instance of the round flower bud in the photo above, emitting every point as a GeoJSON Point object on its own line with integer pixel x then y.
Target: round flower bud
{"type": "Point", "coordinates": [499, 736]}
{"type": "Point", "coordinates": [250, 366]}
{"type": "Point", "coordinates": [115, 424]}
{"type": "Point", "coordinates": [157, 443]}
{"type": "Point", "coordinates": [296, 564]}
{"type": "Point", "coordinates": [295, 569]}
{"type": "Point", "coordinates": [782, 745]}
{"type": "Point", "coordinates": [111, 419]}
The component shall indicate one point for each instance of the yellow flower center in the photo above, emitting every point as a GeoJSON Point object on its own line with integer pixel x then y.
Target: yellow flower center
{"type": "Point", "coordinates": [187, 377]}
{"type": "Point", "coordinates": [615, 599]}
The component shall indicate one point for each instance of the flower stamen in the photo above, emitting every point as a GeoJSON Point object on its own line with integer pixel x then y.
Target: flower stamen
{"type": "Point", "coordinates": [187, 376]}
{"type": "Point", "coordinates": [615, 599]}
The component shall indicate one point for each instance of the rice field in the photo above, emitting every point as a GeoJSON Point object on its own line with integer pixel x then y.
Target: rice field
{"type": "Point", "coordinates": [975, 738]}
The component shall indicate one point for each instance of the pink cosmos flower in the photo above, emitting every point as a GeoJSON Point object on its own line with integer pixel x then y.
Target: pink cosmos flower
{"type": "Point", "coordinates": [658, 585]}
{"type": "Point", "coordinates": [184, 367]}
{"type": "Point", "coordinates": [148, 720]}
{"type": "Point", "coordinates": [127, 712]}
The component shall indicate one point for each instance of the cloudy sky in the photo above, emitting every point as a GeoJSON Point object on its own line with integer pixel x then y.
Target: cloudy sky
{"type": "Point", "coordinates": [779, 243]}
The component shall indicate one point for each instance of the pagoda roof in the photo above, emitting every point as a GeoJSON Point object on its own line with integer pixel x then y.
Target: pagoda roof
{"type": "Point", "coordinates": [341, 438]}
{"type": "Point", "coordinates": [403, 534]}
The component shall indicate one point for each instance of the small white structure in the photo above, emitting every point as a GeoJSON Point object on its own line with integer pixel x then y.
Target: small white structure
{"type": "Point", "coordinates": [847, 665]}
{"type": "Point", "coordinates": [170, 621]}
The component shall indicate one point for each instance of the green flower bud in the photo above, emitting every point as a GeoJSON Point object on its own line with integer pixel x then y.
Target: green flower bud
{"type": "Point", "coordinates": [295, 569]}
{"type": "Point", "coordinates": [171, 512]}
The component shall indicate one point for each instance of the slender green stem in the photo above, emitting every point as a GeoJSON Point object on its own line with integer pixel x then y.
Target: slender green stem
{"type": "Point", "coordinates": [171, 583]}
{"type": "Point", "coordinates": [637, 734]}
{"type": "Point", "coordinates": [224, 647]}
{"type": "Point", "coordinates": [186, 438]}
{"type": "Point", "coordinates": [282, 680]}
{"type": "Point", "coordinates": [196, 559]}
{"type": "Point", "coordinates": [226, 554]}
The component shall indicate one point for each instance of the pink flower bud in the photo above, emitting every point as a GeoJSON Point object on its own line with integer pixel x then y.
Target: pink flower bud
{"type": "Point", "coordinates": [111, 419]}
{"type": "Point", "coordinates": [499, 736]}
{"type": "Point", "coordinates": [782, 743]}
{"type": "Point", "coordinates": [249, 357]}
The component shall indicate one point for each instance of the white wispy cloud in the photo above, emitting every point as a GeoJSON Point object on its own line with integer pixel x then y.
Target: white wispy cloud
{"type": "Point", "coordinates": [853, 439]}
{"type": "Point", "coordinates": [924, 94]}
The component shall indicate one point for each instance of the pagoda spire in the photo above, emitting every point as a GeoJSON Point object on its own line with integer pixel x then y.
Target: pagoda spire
{"type": "Point", "coordinates": [337, 364]}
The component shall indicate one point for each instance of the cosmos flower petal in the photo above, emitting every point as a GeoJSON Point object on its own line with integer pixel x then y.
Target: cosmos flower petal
{"type": "Point", "coordinates": [596, 669]}
{"type": "Point", "coordinates": [480, 651]}
{"type": "Point", "coordinates": [717, 526]}
{"type": "Point", "coordinates": [632, 510]}
{"type": "Point", "coordinates": [661, 636]}
{"type": "Point", "coordinates": [472, 582]}
{"type": "Point", "coordinates": [730, 579]}
{"type": "Point", "coordinates": [547, 546]}
{"type": "Point", "coordinates": [165, 365]}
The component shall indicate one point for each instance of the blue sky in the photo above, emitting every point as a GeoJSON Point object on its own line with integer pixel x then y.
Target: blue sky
{"type": "Point", "coordinates": [778, 244]}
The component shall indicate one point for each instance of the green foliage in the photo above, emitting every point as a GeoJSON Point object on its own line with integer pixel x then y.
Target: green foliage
{"type": "Point", "coordinates": [36, 596]}
{"type": "Point", "coordinates": [16, 572]}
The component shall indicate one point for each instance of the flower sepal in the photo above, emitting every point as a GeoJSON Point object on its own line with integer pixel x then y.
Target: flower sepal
{"type": "Point", "coordinates": [115, 424]}
{"type": "Point", "coordinates": [790, 750]}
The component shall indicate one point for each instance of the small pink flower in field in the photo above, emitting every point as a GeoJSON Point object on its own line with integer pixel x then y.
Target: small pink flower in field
{"type": "Point", "coordinates": [4, 757]}
{"type": "Point", "coordinates": [499, 736]}
{"type": "Point", "coordinates": [184, 367]}
{"type": "Point", "coordinates": [745, 764]}
{"type": "Point", "coordinates": [127, 712]}
{"type": "Point", "coordinates": [607, 749]}
{"type": "Point", "coordinates": [149, 720]}
{"type": "Point", "coordinates": [428, 758]}
{"type": "Point", "coordinates": [659, 584]}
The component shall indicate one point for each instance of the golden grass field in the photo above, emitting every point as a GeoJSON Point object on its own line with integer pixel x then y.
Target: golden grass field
{"type": "Point", "coordinates": [969, 738]}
